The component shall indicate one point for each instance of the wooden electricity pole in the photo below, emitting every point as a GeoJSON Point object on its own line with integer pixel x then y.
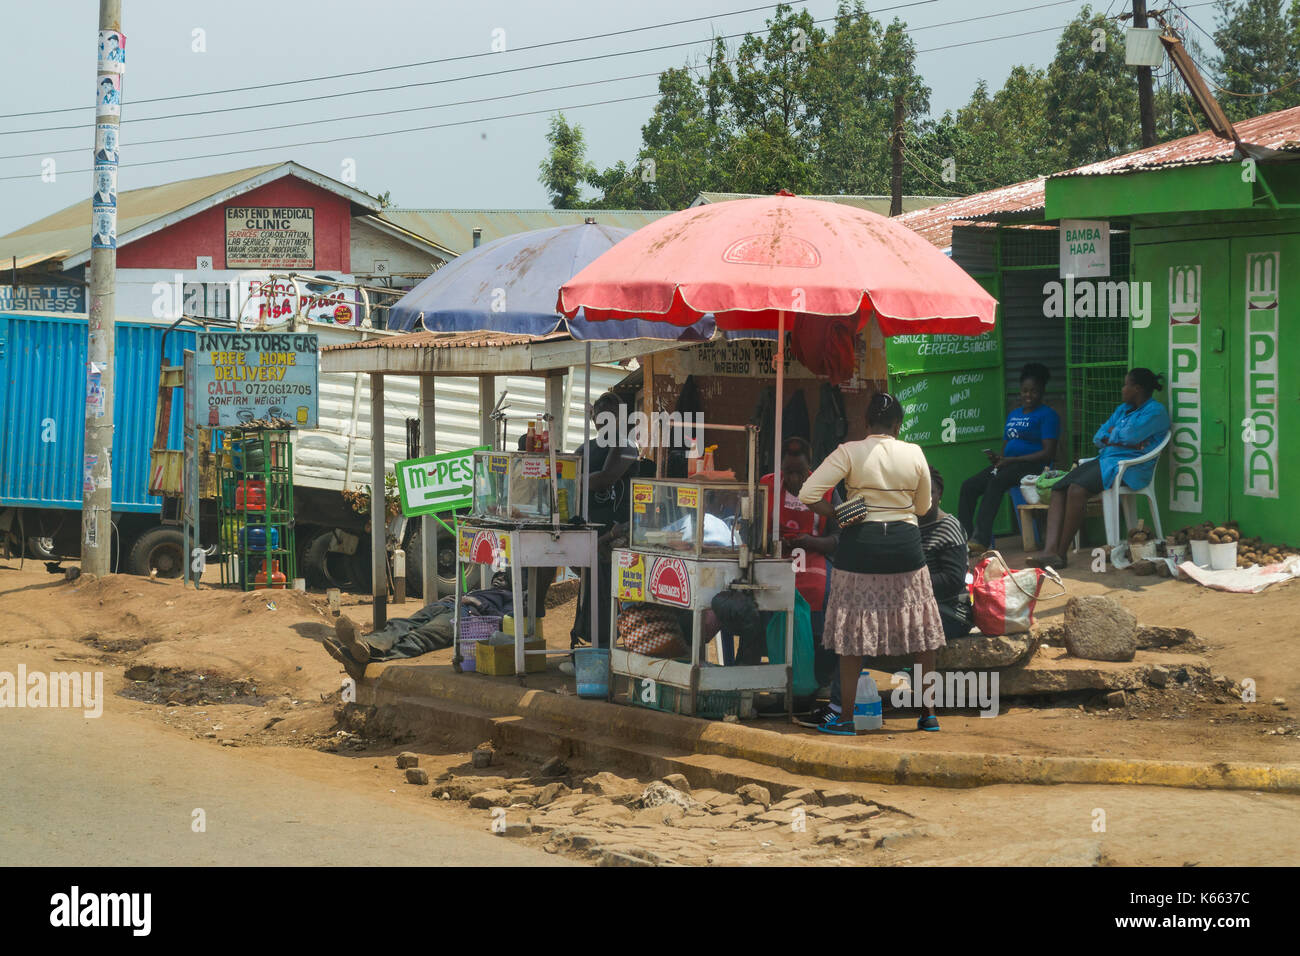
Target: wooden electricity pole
{"type": "Point", "coordinates": [1146, 101]}
{"type": "Point", "coordinates": [97, 461]}
{"type": "Point", "coordinates": [896, 156]}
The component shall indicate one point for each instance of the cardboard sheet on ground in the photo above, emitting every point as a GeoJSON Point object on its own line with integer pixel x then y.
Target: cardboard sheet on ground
{"type": "Point", "coordinates": [1250, 580]}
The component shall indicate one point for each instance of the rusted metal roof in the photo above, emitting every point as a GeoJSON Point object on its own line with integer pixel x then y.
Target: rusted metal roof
{"type": "Point", "coordinates": [935, 223]}
{"type": "Point", "coordinates": [447, 340]}
{"type": "Point", "coordinates": [1275, 131]}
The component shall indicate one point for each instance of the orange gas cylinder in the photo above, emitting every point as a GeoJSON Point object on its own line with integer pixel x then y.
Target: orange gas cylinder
{"type": "Point", "coordinates": [278, 580]}
{"type": "Point", "coordinates": [250, 496]}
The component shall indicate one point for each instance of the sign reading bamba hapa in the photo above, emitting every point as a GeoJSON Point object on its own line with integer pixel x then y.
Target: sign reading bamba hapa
{"type": "Point", "coordinates": [270, 237]}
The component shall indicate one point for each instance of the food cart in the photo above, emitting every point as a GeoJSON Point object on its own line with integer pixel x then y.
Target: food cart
{"type": "Point", "coordinates": [689, 540]}
{"type": "Point", "coordinates": [527, 513]}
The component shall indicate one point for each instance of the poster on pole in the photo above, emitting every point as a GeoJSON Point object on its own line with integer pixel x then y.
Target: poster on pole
{"type": "Point", "coordinates": [244, 377]}
{"type": "Point", "coordinates": [436, 483]}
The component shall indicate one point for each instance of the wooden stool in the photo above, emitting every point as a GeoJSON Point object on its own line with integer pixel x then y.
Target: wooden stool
{"type": "Point", "coordinates": [1028, 536]}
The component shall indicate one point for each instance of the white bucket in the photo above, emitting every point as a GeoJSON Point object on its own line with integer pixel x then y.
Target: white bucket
{"type": "Point", "coordinates": [1029, 489]}
{"type": "Point", "coordinates": [1223, 557]}
{"type": "Point", "coordinates": [1142, 550]}
{"type": "Point", "coordinates": [1200, 553]}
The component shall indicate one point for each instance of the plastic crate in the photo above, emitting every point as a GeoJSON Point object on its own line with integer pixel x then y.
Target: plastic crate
{"type": "Point", "coordinates": [709, 704]}
{"type": "Point", "coordinates": [472, 631]}
{"type": "Point", "coordinates": [498, 660]}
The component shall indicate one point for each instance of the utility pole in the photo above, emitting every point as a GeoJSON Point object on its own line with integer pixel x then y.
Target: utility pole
{"type": "Point", "coordinates": [896, 155]}
{"type": "Point", "coordinates": [97, 463]}
{"type": "Point", "coordinates": [1146, 101]}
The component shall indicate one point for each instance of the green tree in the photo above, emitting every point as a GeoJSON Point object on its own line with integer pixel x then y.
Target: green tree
{"type": "Point", "coordinates": [1091, 94]}
{"type": "Point", "coordinates": [1260, 58]}
{"type": "Point", "coordinates": [565, 168]}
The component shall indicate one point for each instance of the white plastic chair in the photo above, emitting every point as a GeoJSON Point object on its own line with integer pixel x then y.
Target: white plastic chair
{"type": "Point", "coordinates": [1120, 494]}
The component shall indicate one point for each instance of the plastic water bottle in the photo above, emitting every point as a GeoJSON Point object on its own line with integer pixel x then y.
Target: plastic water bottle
{"type": "Point", "coordinates": [866, 706]}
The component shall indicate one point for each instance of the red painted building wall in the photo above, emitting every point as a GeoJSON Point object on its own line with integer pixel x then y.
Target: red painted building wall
{"type": "Point", "coordinates": [204, 234]}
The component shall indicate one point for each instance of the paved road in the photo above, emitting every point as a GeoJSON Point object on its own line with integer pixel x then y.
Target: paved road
{"type": "Point", "coordinates": [121, 791]}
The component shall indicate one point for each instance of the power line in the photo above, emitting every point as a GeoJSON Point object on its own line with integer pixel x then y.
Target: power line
{"type": "Point", "coordinates": [449, 59]}
{"type": "Point", "coordinates": [341, 139]}
{"type": "Point", "coordinates": [79, 126]}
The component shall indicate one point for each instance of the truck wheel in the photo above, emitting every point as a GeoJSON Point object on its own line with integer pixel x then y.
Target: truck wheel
{"type": "Point", "coordinates": [41, 549]}
{"type": "Point", "coordinates": [324, 568]}
{"type": "Point", "coordinates": [415, 566]}
{"type": "Point", "coordinates": [158, 549]}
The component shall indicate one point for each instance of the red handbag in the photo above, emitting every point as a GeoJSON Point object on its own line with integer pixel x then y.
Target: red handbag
{"type": "Point", "coordinates": [1002, 599]}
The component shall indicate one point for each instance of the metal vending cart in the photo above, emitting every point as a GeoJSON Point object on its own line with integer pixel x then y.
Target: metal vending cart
{"type": "Point", "coordinates": [690, 540]}
{"type": "Point", "coordinates": [527, 513]}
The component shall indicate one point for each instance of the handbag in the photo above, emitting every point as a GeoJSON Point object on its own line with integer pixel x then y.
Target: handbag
{"type": "Point", "coordinates": [1003, 600]}
{"type": "Point", "coordinates": [651, 630]}
{"type": "Point", "coordinates": [851, 512]}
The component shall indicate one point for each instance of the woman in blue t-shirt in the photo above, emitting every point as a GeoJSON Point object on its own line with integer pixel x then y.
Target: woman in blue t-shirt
{"type": "Point", "coordinates": [1031, 435]}
{"type": "Point", "coordinates": [1139, 424]}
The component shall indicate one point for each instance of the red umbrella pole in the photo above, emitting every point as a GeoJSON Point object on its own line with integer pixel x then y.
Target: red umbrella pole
{"type": "Point", "coordinates": [777, 487]}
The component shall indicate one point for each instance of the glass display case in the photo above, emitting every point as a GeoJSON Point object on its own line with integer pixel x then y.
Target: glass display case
{"type": "Point", "coordinates": [515, 487]}
{"type": "Point", "coordinates": [698, 519]}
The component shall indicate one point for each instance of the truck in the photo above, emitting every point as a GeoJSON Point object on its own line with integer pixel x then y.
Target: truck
{"type": "Point", "coordinates": [43, 381]}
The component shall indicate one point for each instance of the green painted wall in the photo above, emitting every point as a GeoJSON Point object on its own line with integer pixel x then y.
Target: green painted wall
{"type": "Point", "coordinates": [1226, 332]}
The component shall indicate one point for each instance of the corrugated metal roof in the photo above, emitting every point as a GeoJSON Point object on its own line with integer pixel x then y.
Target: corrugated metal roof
{"type": "Point", "coordinates": [454, 228]}
{"type": "Point", "coordinates": [66, 234]}
{"type": "Point", "coordinates": [935, 223]}
{"type": "Point", "coordinates": [876, 204]}
{"type": "Point", "coordinates": [448, 340]}
{"type": "Point", "coordinates": [1278, 131]}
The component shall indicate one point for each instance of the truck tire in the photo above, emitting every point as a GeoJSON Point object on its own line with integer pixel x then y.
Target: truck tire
{"type": "Point", "coordinates": [324, 568]}
{"type": "Point", "coordinates": [41, 549]}
{"type": "Point", "coordinates": [415, 564]}
{"type": "Point", "coordinates": [158, 549]}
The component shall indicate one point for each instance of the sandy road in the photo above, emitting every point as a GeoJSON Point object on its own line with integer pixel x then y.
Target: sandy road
{"type": "Point", "coordinates": [122, 791]}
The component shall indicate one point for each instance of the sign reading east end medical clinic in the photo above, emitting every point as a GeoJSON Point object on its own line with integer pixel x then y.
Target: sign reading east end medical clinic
{"type": "Point", "coordinates": [249, 376]}
{"type": "Point", "coordinates": [270, 237]}
{"type": "Point", "coordinates": [1085, 248]}
{"type": "Point", "coordinates": [436, 483]}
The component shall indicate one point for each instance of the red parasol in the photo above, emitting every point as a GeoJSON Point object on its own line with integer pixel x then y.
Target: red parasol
{"type": "Point", "coordinates": [759, 263]}
{"type": "Point", "coordinates": [772, 262]}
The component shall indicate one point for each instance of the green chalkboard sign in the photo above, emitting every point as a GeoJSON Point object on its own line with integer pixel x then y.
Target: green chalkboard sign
{"type": "Point", "coordinates": [951, 407]}
{"type": "Point", "coordinates": [934, 353]}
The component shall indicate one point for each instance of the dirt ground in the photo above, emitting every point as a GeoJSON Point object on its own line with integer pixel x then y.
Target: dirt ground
{"type": "Point", "coordinates": [246, 671]}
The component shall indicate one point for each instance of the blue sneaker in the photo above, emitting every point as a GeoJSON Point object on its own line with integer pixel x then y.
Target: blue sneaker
{"type": "Point", "coordinates": [839, 725]}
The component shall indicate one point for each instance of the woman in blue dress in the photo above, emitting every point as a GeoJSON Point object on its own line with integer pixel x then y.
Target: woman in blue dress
{"type": "Point", "coordinates": [1031, 434]}
{"type": "Point", "coordinates": [1136, 426]}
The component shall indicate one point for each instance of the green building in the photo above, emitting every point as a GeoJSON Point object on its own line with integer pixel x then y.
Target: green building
{"type": "Point", "coordinates": [1201, 283]}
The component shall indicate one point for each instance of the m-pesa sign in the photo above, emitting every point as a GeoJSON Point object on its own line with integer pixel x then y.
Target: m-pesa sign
{"type": "Point", "coordinates": [436, 483]}
{"type": "Point", "coordinates": [1261, 374]}
{"type": "Point", "coordinates": [1185, 477]}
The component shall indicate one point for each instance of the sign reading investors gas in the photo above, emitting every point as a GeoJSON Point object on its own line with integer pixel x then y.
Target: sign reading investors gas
{"type": "Point", "coordinates": [251, 376]}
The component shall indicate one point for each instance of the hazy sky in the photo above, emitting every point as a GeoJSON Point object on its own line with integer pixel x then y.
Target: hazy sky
{"type": "Point", "coordinates": [484, 162]}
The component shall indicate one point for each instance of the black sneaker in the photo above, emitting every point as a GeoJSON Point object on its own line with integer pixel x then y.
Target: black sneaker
{"type": "Point", "coordinates": [819, 716]}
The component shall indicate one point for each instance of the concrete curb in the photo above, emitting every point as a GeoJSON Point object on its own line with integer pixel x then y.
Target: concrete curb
{"type": "Point", "coordinates": [432, 687]}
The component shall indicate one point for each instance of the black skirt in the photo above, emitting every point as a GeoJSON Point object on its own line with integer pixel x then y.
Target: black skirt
{"type": "Point", "coordinates": [880, 547]}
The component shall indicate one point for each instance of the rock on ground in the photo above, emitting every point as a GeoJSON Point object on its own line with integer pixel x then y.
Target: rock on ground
{"type": "Point", "coordinates": [982, 653]}
{"type": "Point", "coordinates": [417, 775]}
{"type": "Point", "coordinates": [660, 793]}
{"type": "Point", "coordinates": [753, 793]}
{"type": "Point", "coordinates": [1098, 628]}
{"type": "Point", "coordinates": [407, 759]}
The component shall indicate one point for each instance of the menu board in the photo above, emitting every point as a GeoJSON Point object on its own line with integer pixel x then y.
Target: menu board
{"type": "Point", "coordinates": [933, 353]}
{"type": "Point", "coordinates": [951, 407]}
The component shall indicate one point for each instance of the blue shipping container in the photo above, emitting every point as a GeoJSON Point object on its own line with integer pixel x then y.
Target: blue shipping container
{"type": "Point", "coordinates": [42, 412]}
